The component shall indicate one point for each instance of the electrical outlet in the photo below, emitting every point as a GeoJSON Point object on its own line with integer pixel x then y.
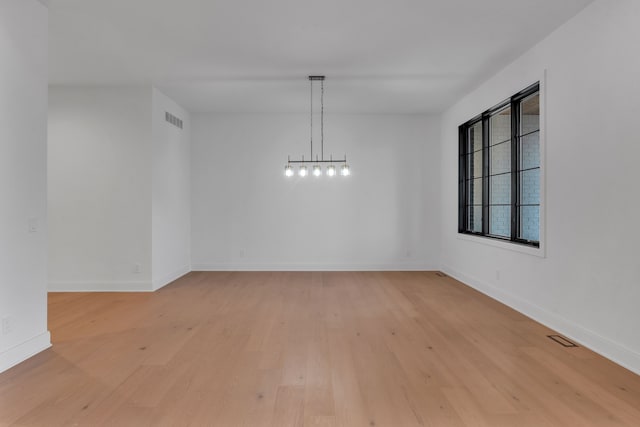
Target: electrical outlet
{"type": "Point", "coordinates": [7, 325]}
{"type": "Point", "coordinates": [497, 274]}
{"type": "Point", "coordinates": [33, 225]}
{"type": "Point", "coordinates": [242, 252]}
{"type": "Point", "coordinates": [137, 268]}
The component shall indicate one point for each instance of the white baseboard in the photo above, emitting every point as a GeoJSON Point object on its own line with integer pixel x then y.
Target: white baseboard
{"type": "Point", "coordinates": [613, 351]}
{"type": "Point", "coordinates": [157, 284]}
{"type": "Point", "coordinates": [87, 286]}
{"type": "Point", "coordinates": [313, 267]}
{"type": "Point", "coordinates": [22, 352]}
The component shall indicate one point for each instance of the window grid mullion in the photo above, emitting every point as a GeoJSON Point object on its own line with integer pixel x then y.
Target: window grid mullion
{"type": "Point", "coordinates": [462, 187]}
{"type": "Point", "coordinates": [515, 114]}
{"type": "Point", "coordinates": [485, 174]}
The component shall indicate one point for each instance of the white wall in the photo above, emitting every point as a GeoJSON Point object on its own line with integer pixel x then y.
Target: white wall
{"type": "Point", "coordinates": [99, 188]}
{"type": "Point", "coordinates": [247, 215]}
{"type": "Point", "coordinates": [23, 135]}
{"type": "Point", "coordinates": [171, 213]}
{"type": "Point", "coordinates": [587, 287]}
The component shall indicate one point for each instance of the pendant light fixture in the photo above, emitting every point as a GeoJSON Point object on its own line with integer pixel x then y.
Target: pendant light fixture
{"type": "Point", "coordinates": [316, 165]}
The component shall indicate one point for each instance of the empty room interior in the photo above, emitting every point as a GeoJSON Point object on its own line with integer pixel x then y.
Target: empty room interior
{"type": "Point", "coordinates": [319, 213]}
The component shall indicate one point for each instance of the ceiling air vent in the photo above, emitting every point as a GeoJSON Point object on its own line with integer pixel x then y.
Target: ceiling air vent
{"type": "Point", "coordinates": [173, 119]}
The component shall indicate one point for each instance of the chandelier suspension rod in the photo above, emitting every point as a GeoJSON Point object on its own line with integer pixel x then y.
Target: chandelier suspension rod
{"type": "Point", "coordinates": [322, 119]}
{"type": "Point", "coordinates": [311, 126]}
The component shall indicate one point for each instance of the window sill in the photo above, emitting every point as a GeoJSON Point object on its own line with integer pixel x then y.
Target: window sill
{"type": "Point", "coordinates": [510, 246]}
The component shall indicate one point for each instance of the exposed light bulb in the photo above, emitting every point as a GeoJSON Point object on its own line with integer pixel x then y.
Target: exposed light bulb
{"type": "Point", "coordinates": [317, 170]}
{"type": "Point", "coordinates": [344, 171]}
{"type": "Point", "coordinates": [331, 170]}
{"type": "Point", "coordinates": [288, 171]}
{"type": "Point", "coordinates": [303, 171]}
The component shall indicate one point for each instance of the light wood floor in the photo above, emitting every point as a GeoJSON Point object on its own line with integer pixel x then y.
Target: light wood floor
{"type": "Point", "coordinates": [313, 349]}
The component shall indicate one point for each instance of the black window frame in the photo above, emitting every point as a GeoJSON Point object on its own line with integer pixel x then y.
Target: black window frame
{"type": "Point", "coordinates": [514, 103]}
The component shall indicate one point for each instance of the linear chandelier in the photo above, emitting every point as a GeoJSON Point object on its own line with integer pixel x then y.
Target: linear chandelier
{"type": "Point", "coordinates": [316, 165]}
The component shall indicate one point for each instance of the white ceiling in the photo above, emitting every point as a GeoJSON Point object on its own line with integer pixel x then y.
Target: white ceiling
{"type": "Point", "coordinates": [379, 56]}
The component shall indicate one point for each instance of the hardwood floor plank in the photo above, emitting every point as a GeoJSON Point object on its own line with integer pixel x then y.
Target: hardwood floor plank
{"type": "Point", "coordinates": [335, 349]}
{"type": "Point", "coordinates": [289, 408]}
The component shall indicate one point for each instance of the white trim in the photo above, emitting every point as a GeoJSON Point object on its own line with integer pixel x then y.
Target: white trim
{"type": "Point", "coordinates": [157, 284]}
{"type": "Point", "coordinates": [612, 350]}
{"type": "Point", "coordinates": [22, 352]}
{"type": "Point", "coordinates": [105, 286]}
{"type": "Point", "coordinates": [542, 220]}
{"type": "Point", "coordinates": [314, 267]}
{"type": "Point", "coordinates": [504, 244]}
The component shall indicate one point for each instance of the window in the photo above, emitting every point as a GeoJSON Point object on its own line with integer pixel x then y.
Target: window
{"type": "Point", "coordinates": [499, 171]}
